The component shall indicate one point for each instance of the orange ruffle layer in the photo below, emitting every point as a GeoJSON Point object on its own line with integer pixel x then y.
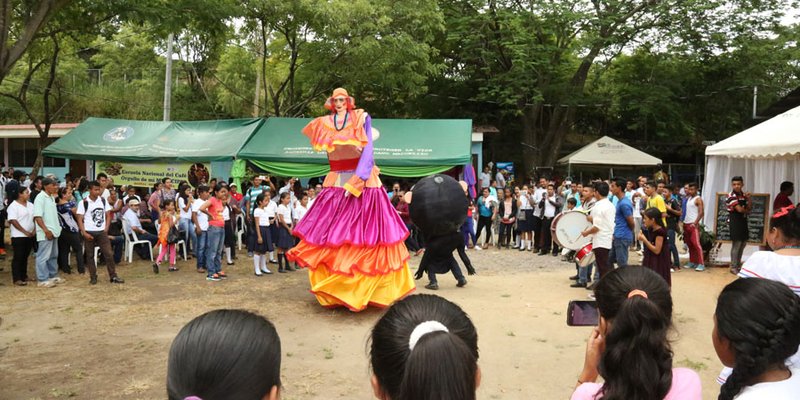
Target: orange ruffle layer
{"type": "Point", "coordinates": [350, 260]}
{"type": "Point", "coordinates": [359, 291]}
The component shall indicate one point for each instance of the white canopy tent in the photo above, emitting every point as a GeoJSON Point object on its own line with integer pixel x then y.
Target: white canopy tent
{"type": "Point", "coordinates": [764, 156]}
{"type": "Point", "coordinates": [608, 152]}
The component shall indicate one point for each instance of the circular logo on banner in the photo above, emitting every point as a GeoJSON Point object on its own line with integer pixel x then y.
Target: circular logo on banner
{"type": "Point", "coordinates": [118, 134]}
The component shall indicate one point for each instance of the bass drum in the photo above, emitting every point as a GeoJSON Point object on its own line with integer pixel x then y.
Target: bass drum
{"type": "Point", "coordinates": [567, 227]}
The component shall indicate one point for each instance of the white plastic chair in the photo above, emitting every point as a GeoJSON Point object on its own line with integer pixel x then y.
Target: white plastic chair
{"type": "Point", "coordinates": [180, 245]}
{"type": "Point", "coordinates": [129, 244]}
{"type": "Point", "coordinates": [239, 230]}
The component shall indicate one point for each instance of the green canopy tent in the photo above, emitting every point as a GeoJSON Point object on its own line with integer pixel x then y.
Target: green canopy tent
{"type": "Point", "coordinates": [103, 139]}
{"type": "Point", "coordinates": [406, 147]}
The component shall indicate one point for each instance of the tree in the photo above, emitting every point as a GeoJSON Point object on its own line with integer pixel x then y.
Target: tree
{"type": "Point", "coordinates": [21, 24]}
{"type": "Point", "coordinates": [379, 49]}
{"type": "Point", "coordinates": [535, 58]}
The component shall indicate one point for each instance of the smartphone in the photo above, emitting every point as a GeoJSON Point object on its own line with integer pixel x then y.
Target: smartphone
{"type": "Point", "coordinates": [582, 313]}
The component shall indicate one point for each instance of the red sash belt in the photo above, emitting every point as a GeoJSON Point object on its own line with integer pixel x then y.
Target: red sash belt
{"type": "Point", "coordinates": [344, 165]}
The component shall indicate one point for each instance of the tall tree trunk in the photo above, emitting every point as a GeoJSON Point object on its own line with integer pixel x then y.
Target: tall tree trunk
{"type": "Point", "coordinates": [37, 165]}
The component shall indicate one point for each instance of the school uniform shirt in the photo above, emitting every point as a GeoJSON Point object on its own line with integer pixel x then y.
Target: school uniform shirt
{"type": "Point", "coordinates": [550, 209]}
{"type": "Point", "coordinates": [537, 200]}
{"type": "Point", "coordinates": [782, 390]}
{"type": "Point", "coordinates": [261, 214]}
{"type": "Point", "coordinates": [202, 218]}
{"type": "Point", "coordinates": [94, 215]}
{"type": "Point", "coordinates": [286, 212]}
{"type": "Point", "coordinates": [686, 385]}
{"type": "Point", "coordinates": [105, 194]}
{"type": "Point", "coordinates": [23, 215]}
{"type": "Point", "coordinates": [603, 214]}
{"type": "Point", "coordinates": [271, 209]}
{"type": "Point", "coordinates": [300, 212]}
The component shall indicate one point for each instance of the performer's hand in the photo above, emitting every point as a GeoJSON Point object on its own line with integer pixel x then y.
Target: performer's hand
{"type": "Point", "coordinates": [346, 194]}
{"type": "Point", "coordinates": [470, 269]}
{"type": "Point", "coordinates": [419, 273]}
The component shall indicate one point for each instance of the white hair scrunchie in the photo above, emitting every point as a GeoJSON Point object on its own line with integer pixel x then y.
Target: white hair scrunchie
{"type": "Point", "coordinates": [424, 329]}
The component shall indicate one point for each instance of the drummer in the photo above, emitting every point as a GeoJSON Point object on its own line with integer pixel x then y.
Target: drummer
{"type": "Point", "coordinates": [584, 275]}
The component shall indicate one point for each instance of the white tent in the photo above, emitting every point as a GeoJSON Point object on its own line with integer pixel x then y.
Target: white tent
{"type": "Point", "coordinates": [609, 152]}
{"type": "Point", "coordinates": [764, 155]}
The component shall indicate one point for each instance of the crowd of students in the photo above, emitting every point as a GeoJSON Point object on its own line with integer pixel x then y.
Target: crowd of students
{"type": "Point", "coordinates": [80, 217]}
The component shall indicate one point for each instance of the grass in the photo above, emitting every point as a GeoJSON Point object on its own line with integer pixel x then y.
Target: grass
{"type": "Point", "coordinates": [695, 365]}
{"type": "Point", "coordinates": [328, 353]}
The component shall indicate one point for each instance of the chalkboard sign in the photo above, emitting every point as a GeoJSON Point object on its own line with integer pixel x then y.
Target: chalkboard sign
{"type": "Point", "coordinates": [757, 220]}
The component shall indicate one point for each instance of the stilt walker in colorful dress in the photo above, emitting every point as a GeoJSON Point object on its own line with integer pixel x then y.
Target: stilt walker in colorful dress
{"type": "Point", "coordinates": [352, 239]}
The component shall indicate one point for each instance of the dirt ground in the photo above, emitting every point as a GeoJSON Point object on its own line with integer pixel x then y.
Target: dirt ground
{"type": "Point", "coordinates": [109, 342]}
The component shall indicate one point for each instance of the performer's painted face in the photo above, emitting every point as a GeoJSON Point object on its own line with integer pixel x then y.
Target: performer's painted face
{"type": "Point", "coordinates": [339, 103]}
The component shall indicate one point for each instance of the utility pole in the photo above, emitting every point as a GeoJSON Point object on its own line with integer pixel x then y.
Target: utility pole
{"type": "Point", "coordinates": [257, 100]}
{"type": "Point", "coordinates": [755, 102]}
{"type": "Point", "coordinates": [168, 80]}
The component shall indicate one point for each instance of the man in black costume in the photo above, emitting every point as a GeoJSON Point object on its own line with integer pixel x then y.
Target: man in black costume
{"type": "Point", "coordinates": [438, 206]}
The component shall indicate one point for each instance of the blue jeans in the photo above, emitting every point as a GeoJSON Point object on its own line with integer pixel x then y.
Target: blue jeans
{"type": "Point", "coordinates": [468, 232]}
{"type": "Point", "coordinates": [673, 247]}
{"type": "Point", "coordinates": [200, 249]}
{"type": "Point", "coordinates": [619, 251]}
{"type": "Point", "coordinates": [186, 225]}
{"type": "Point", "coordinates": [47, 260]}
{"type": "Point", "coordinates": [585, 272]}
{"type": "Point", "coordinates": [215, 243]}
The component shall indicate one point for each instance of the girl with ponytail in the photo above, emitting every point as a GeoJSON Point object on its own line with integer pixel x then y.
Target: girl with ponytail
{"type": "Point", "coordinates": [630, 348]}
{"type": "Point", "coordinates": [756, 329]}
{"type": "Point", "coordinates": [782, 264]}
{"type": "Point", "coordinates": [424, 348]}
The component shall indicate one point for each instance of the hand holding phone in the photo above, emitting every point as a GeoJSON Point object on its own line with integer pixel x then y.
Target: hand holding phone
{"type": "Point", "coordinates": [582, 313]}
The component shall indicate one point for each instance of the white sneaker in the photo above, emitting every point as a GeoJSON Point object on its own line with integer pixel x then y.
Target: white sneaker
{"type": "Point", "coordinates": [478, 247]}
{"type": "Point", "coordinates": [58, 280]}
{"type": "Point", "coordinates": [47, 284]}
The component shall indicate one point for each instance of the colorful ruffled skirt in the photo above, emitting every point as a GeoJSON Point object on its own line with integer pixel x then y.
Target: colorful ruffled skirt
{"type": "Point", "coordinates": [354, 250]}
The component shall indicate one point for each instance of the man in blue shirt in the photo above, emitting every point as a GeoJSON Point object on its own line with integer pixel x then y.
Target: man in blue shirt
{"type": "Point", "coordinates": [623, 224]}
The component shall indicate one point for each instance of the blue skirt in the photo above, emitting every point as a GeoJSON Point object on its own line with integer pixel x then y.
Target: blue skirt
{"type": "Point", "coordinates": [285, 240]}
{"type": "Point", "coordinates": [266, 239]}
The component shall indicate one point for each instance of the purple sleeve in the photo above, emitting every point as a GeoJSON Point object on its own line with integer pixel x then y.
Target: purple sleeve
{"type": "Point", "coordinates": [367, 160]}
{"type": "Point", "coordinates": [469, 178]}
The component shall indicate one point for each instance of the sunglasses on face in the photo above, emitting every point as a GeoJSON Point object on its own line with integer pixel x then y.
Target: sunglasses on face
{"type": "Point", "coordinates": [338, 100]}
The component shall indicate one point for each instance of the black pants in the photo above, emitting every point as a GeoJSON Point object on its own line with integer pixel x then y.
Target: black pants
{"type": "Point", "coordinates": [66, 241]}
{"type": "Point", "coordinates": [545, 235]}
{"type": "Point", "coordinates": [230, 236]}
{"type": "Point", "coordinates": [484, 222]}
{"type": "Point", "coordinates": [3, 218]}
{"type": "Point", "coordinates": [411, 243]}
{"type": "Point", "coordinates": [505, 234]}
{"type": "Point", "coordinates": [602, 261]}
{"type": "Point", "coordinates": [537, 236]}
{"type": "Point", "coordinates": [22, 251]}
